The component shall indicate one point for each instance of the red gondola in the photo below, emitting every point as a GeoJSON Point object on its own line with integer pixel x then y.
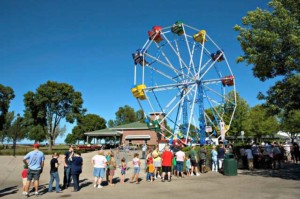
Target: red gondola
{"type": "Point", "coordinates": [154, 34]}
{"type": "Point", "coordinates": [228, 80]}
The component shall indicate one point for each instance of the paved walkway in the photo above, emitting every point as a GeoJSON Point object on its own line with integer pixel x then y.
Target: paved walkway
{"type": "Point", "coordinates": [257, 184]}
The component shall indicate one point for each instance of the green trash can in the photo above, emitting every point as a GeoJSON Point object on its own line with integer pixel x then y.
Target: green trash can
{"type": "Point", "coordinates": [230, 165]}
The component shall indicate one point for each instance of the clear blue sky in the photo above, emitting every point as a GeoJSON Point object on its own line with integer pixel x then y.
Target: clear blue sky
{"type": "Point", "coordinates": [88, 44]}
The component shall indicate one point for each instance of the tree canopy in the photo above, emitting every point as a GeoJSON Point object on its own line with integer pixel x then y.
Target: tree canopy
{"type": "Point", "coordinates": [51, 103]}
{"type": "Point", "coordinates": [6, 95]}
{"type": "Point", "coordinates": [125, 115]}
{"type": "Point", "coordinates": [270, 40]}
{"type": "Point", "coordinates": [290, 124]}
{"type": "Point", "coordinates": [261, 124]}
{"type": "Point", "coordinates": [86, 123]}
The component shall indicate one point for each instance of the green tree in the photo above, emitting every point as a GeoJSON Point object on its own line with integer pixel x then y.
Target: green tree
{"type": "Point", "coordinates": [270, 40]}
{"type": "Point", "coordinates": [284, 96]}
{"type": "Point", "coordinates": [87, 123]}
{"type": "Point", "coordinates": [124, 115]}
{"type": "Point", "coordinates": [71, 139]}
{"type": "Point", "coordinates": [6, 95]}
{"type": "Point", "coordinates": [140, 115]}
{"type": "Point", "coordinates": [240, 121]}
{"type": "Point", "coordinates": [261, 124]}
{"type": "Point", "coordinates": [16, 129]}
{"type": "Point", "coordinates": [51, 103]}
{"type": "Point", "coordinates": [290, 124]}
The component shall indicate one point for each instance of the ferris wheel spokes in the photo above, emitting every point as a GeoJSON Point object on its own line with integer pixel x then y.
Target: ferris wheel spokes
{"type": "Point", "coordinates": [185, 81]}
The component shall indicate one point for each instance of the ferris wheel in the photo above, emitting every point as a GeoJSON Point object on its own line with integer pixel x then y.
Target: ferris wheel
{"type": "Point", "coordinates": [184, 84]}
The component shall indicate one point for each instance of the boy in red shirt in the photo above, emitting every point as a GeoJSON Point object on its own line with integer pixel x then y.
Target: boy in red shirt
{"type": "Point", "coordinates": [166, 157]}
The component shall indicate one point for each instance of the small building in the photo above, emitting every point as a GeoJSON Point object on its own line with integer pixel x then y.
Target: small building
{"type": "Point", "coordinates": [134, 133]}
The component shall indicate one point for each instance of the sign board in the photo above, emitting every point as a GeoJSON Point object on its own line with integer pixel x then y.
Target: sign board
{"type": "Point", "coordinates": [208, 129]}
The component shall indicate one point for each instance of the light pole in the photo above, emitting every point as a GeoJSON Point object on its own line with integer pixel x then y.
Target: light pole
{"type": "Point", "coordinates": [15, 134]}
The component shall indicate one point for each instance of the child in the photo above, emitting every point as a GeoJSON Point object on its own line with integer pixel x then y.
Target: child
{"type": "Point", "coordinates": [214, 158]}
{"type": "Point", "coordinates": [136, 166]}
{"type": "Point", "coordinates": [151, 169]}
{"type": "Point", "coordinates": [188, 166]}
{"type": "Point", "coordinates": [54, 173]}
{"type": "Point", "coordinates": [112, 167]}
{"type": "Point", "coordinates": [123, 170]}
{"type": "Point", "coordinates": [149, 161]}
{"type": "Point", "coordinates": [174, 161]}
{"type": "Point", "coordinates": [24, 177]}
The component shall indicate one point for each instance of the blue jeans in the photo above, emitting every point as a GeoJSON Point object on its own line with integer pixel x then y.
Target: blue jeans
{"type": "Point", "coordinates": [67, 176]}
{"type": "Point", "coordinates": [179, 166]}
{"type": "Point", "coordinates": [149, 175]}
{"type": "Point", "coordinates": [76, 181]}
{"type": "Point", "coordinates": [54, 176]}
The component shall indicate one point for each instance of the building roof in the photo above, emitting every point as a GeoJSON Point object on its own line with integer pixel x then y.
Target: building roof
{"type": "Point", "coordinates": [103, 132]}
{"type": "Point", "coordinates": [115, 131]}
{"type": "Point", "coordinates": [134, 125]}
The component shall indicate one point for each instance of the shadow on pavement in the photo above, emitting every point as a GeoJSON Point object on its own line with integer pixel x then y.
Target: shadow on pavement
{"type": "Point", "coordinates": [8, 191]}
{"type": "Point", "coordinates": [289, 172]}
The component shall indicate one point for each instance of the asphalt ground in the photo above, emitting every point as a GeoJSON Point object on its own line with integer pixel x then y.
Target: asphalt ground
{"type": "Point", "coordinates": [283, 183]}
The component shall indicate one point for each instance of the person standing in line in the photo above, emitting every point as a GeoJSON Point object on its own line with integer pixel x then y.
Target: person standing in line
{"type": "Point", "coordinates": [157, 165]}
{"type": "Point", "coordinates": [24, 178]}
{"type": "Point", "coordinates": [221, 156]}
{"type": "Point", "coordinates": [188, 166]}
{"type": "Point", "coordinates": [112, 167]}
{"type": "Point", "coordinates": [202, 152]}
{"type": "Point", "coordinates": [144, 149]}
{"type": "Point", "coordinates": [151, 169]}
{"type": "Point", "coordinates": [249, 155]}
{"type": "Point", "coordinates": [214, 158]}
{"type": "Point", "coordinates": [67, 167]}
{"type": "Point", "coordinates": [76, 169]}
{"type": "Point", "coordinates": [149, 160]}
{"type": "Point", "coordinates": [194, 161]}
{"type": "Point", "coordinates": [99, 163]}
{"type": "Point", "coordinates": [54, 173]}
{"type": "Point", "coordinates": [180, 156]}
{"type": "Point", "coordinates": [123, 170]}
{"type": "Point", "coordinates": [166, 158]}
{"type": "Point", "coordinates": [34, 160]}
{"type": "Point", "coordinates": [108, 156]}
{"type": "Point", "coordinates": [136, 168]}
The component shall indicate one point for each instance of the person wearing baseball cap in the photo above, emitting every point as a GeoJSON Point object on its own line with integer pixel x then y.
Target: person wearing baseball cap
{"type": "Point", "coordinates": [35, 162]}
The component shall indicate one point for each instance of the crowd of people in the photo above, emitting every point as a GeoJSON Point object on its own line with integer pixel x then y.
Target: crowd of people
{"type": "Point", "coordinates": [158, 165]}
{"type": "Point", "coordinates": [268, 155]}
{"type": "Point", "coordinates": [34, 164]}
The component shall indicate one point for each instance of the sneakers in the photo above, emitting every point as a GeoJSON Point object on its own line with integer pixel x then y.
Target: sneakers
{"type": "Point", "coordinates": [192, 174]}
{"type": "Point", "coordinates": [37, 194]}
{"type": "Point", "coordinates": [197, 174]}
{"type": "Point", "coordinates": [95, 185]}
{"type": "Point", "coordinates": [158, 176]}
{"type": "Point", "coordinates": [99, 186]}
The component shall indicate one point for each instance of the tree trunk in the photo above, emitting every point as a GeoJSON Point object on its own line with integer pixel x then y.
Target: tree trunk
{"type": "Point", "coordinates": [51, 143]}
